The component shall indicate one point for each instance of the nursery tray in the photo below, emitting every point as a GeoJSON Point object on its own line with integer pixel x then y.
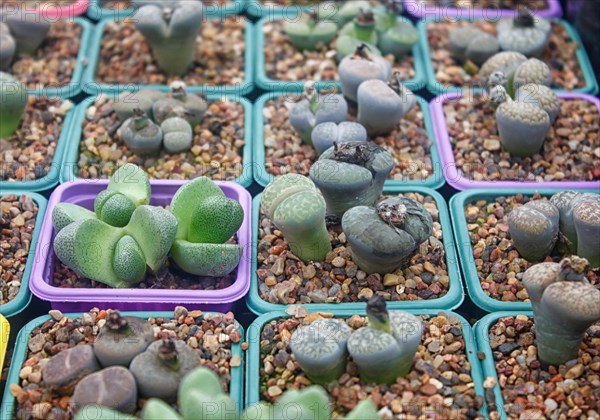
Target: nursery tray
{"type": "Point", "coordinates": [93, 87]}
{"type": "Point", "coordinates": [274, 85]}
{"type": "Point", "coordinates": [70, 166]}
{"type": "Point", "coordinates": [465, 249]}
{"type": "Point", "coordinates": [454, 175]}
{"type": "Point", "coordinates": [83, 192]}
{"type": "Point", "coordinates": [420, 10]}
{"type": "Point", "coordinates": [4, 336]}
{"type": "Point", "coordinates": [21, 301]}
{"type": "Point", "coordinates": [254, 331]}
{"type": "Point", "coordinates": [451, 300]}
{"type": "Point", "coordinates": [437, 88]}
{"type": "Point", "coordinates": [97, 12]}
{"type": "Point", "coordinates": [8, 406]}
{"type": "Point", "coordinates": [263, 177]}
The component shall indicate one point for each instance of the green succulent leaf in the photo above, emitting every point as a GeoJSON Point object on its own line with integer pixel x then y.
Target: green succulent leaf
{"type": "Point", "coordinates": [156, 409]}
{"type": "Point", "coordinates": [213, 260]}
{"type": "Point", "coordinates": [129, 262]}
{"type": "Point", "coordinates": [113, 208]}
{"type": "Point", "coordinates": [131, 181]}
{"type": "Point", "coordinates": [64, 214]}
{"type": "Point", "coordinates": [312, 404]}
{"type": "Point", "coordinates": [364, 410]}
{"type": "Point", "coordinates": [201, 396]}
{"type": "Point", "coordinates": [215, 220]}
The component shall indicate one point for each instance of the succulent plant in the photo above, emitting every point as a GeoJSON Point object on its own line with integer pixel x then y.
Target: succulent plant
{"type": "Point", "coordinates": [459, 38]}
{"type": "Point", "coordinates": [384, 237]}
{"type": "Point", "coordinates": [113, 387]}
{"type": "Point", "coordinates": [315, 109]}
{"type": "Point", "coordinates": [126, 102]}
{"type": "Point", "coordinates": [382, 105]}
{"type": "Point", "coordinates": [326, 134]}
{"type": "Point", "coordinates": [471, 44]}
{"type": "Point", "coordinates": [172, 33]}
{"type": "Point", "coordinates": [206, 220]}
{"type": "Point", "coordinates": [351, 174]}
{"type": "Point", "coordinates": [320, 349]}
{"type": "Point", "coordinates": [360, 30]}
{"type": "Point", "coordinates": [104, 413]}
{"type": "Point", "coordinates": [564, 305]}
{"type": "Point", "coordinates": [201, 396]}
{"type": "Point", "coordinates": [384, 349]}
{"type": "Point", "coordinates": [526, 34]}
{"type": "Point", "coordinates": [8, 47]}
{"type": "Point", "coordinates": [310, 403]}
{"type": "Point", "coordinates": [505, 62]}
{"type": "Point", "coordinates": [534, 228]}
{"type": "Point", "coordinates": [310, 31]}
{"type": "Point", "coordinates": [159, 370]}
{"type": "Point", "coordinates": [361, 66]}
{"type": "Point", "coordinates": [140, 134]}
{"type": "Point", "coordinates": [122, 338]}
{"type": "Point", "coordinates": [179, 103]}
{"type": "Point", "coordinates": [64, 214]}
{"type": "Point", "coordinates": [586, 217]}
{"type": "Point", "coordinates": [395, 35]}
{"type": "Point", "coordinates": [177, 135]}
{"type": "Point", "coordinates": [542, 96]}
{"type": "Point", "coordinates": [68, 366]}
{"type": "Point", "coordinates": [13, 98]}
{"type": "Point", "coordinates": [532, 71]}
{"type": "Point", "coordinates": [27, 29]}
{"type": "Point", "coordinates": [297, 209]}
{"type": "Point", "coordinates": [566, 201]}
{"type": "Point", "coordinates": [346, 11]}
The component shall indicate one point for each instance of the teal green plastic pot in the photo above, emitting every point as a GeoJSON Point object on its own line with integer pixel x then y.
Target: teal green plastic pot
{"type": "Point", "coordinates": [263, 177]}
{"type": "Point", "coordinates": [21, 301]}
{"type": "Point", "coordinates": [465, 249]}
{"type": "Point", "coordinates": [449, 301]}
{"type": "Point", "coordinates": [273, 85]}
{"type": "Point", "coordinates": [591, 84]}
{"type": "Point", "coordinates": [70, 167]}
{"type": "Point", "coordinates": [97, 12]}
{"type": "Point", "coordinates": [93, 88]}
{"type": "Point", "coordinates": [253, 339]}
{"type": "Point", "coordinates": [8, 406]}
{"type": "Point", "coordinates": [488, 367]}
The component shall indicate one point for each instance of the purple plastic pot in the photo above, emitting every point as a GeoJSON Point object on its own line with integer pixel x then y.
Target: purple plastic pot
{"type": "Point", "coordinates": [83, 192]}
{"type": "Point", "coordinates": [418, 9]}
{"type": "Point", "coordinates": [454, 176]}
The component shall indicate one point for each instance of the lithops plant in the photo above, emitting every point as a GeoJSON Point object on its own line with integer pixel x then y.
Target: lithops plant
{"type": "Point", "coordinates": [172, 33]}
{"type": "Point", "coordinates": [566, 201]}
{"type": "Point", "coordinates": [469, 43]}
{"type": "Point", "coordinates": [382, 105]}
{"type": "Point", "coordinates": [395, 35]}
{"type": "Point", "coordinates": [344, 12]}
{"type": "Point", "coordinates": [297, 209]}
{"type": "Point", "coordinates": [361, 30]}
{"type": "Point", "coordinates": [121, 339]}
{"type": "Point", "coordinates": [351, 174]}
{"type": "Point", "coordinates": [384, 237]}
{"type": "Point", "coordinates": [179, 103]}
{"type": "Point", "coordinates": [586, 218]}
{"type": "Point", "coordinates": [534, 229]}
{"type": "Point", "coordinates": [140, 134]}
{"type": "Point", "coordinates": [8, 47]}
{"type": "Point", "coordinates": [28, 29]}
{"type": "Point", "coordinates": [361, 66]}
{"type": "Point", "coordinates": [320, 349]}
{"type": "Point", "coordinates": [314, 109]}
{"type": "Point", "coordinates": [564, 305]}
{"type": "Point", "coordinates": [310, 31]}
{"type": "Point", "coordinates": [68, 366]}
{"type": "Point", "coordinates": [526, 33]}
{"type": "Point", "coordinates": [542, 96]}
{"type": "Point", "coordinates": [326, 134]}
{"type": "Point", "coordinates": [384, 350]}
{"type": "Point", "coordinates": [13, 98]}
{"type": "Point", "coordinates": [206, 221]}
{"type": "Point", "coordinates": [126, 102]}
{"type": "Point", "coordinates": [177, 135]}
{"type": "Point", "coordinates": [113, 387]}
{"type": "Point", "coordinates": [505, 62]}
{"type": "Point", "coordinates": [532, 71]}
{"type": "Point", "coordinates": [64, 214]}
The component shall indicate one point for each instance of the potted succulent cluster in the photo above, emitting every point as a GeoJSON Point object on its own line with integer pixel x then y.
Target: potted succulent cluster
{"type": "Point", "coordinates": [404, 363]}
{"type": "Point", "coordinates": [501, 234]}
{"type": "Point", "coordinates": [105, 363]}
{"type": "Point", "coordinates": [538, 363]}
{"type": "Point", "coordinates": [174, 40]}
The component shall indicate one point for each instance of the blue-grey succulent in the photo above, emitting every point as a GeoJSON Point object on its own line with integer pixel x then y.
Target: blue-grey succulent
{"type": "Point", "coordinates": [140, 134]}
{"type": "Point", "coordinates": [351, 174]}
{"type": "Point", "coordinates": [359, 67]}
{"type": "Point", "coordinates": [469, 43]}
{"type": "Point", "coordinates": [566, 201]}
{"type": "Point", "coordinates": [395, 35]}
{"type": "Point", "coordinates": [586, 217]}
{"type": "Point", "coordinates": [542, 96]}
{"type": "Point", "coordinates": [384, 237]}
{"type": "Point", "coordinates": [177, 135]}
{"type": "Point", "coordinates": [310, 31]}
{"type": "Point", "coordinates": [68, 366]}
{"type": "Point", "coordinates": [564, 305]}
{"type": "Point", "coordinates": [505, 62]}
{"type": "Point", "coordinates": [113, 387]}
{"type": "Point", "coordinates": [526, 33]}
{"type": "Point", "coordinates": [28, 29]}
{"type": "Point", "coordinates": [326, 134]}
{"type": "Point", "coordinates": [179, 103]}
{"type": "Point", "coordinates": [532, 71]}
{"type": "Point", "coordinates": [534, 228]}
{"type": "Point", "coordinates": [8, 47]}
{"type": "Point", "coordinates": [126, 102]}
{"type": "Point", "coordinates": [13, 99]}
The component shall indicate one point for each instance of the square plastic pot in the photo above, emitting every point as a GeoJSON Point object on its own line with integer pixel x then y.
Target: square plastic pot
{"type": "Point", "coordinates": [437, 88]}
{"type": "Point", "coordinates": [263, 177]}
{"type": "Point", "coordinates": [417, 9]}
{"type": "Point", "coordinates": [97, 12]}
{"type": "Point", "coordinates": [70, 167]}
{"type": "Point", "coordinates": [465, 249]}
{"type": "Point", "coordinates": [21, 301]}
{"type": "Point", "coordinates": [273, 85]}
{"type": "Point", "coordinates": [93, 88]}
{"type": "Point", "coordinates": [253, 356]}
{"type": "Point", "coordinates": [9, 404]}
{"type": "Point", "coordinates": [4, 337]}
{"type": "Point", "coordinates": [83, 192]}
{"type": "Point", "coordinates": [454, 175]}
{"type": "Point", "coordinates": [449, 301]}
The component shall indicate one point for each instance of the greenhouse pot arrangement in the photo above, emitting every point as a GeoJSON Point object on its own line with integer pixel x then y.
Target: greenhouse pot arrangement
{"type": "Point", "coordinates": [107, 364]}
{"type": "Point", "coordinates": [299, 46]}
{"type": "Point", "coordinates": [454, 52]}
{"type": "Point", "coordinates": [479, 8]}
{"type": "Point", "coordinates": [213, 140]}
{"type": "Point", "coordinates": [151, 256]}
{"type": "Point", "coordinates": [394, 244]}
{"type": "Point", "coordinates": [278, 149]}
{"type": "Point", "coordinates": [209, 54]}
{"type": "Point", "coordinates": [402, 362]}
{"type": "Point", "coordinates": [502, 233]}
